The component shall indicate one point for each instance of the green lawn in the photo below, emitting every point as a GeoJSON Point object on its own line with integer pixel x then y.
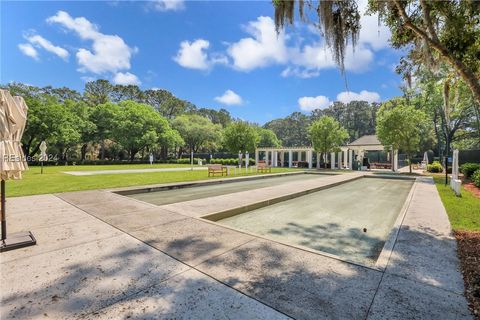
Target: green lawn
{"type": "Point", "coordinates": [464, 211]}
{"type": "Point", "coordinates": [54, 180]}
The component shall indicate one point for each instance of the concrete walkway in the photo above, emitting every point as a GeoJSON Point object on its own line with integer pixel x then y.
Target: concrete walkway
{"type": "Point", "coordinates": [102, 255]}
{"type": "Point", "coordinates": [123, 171]}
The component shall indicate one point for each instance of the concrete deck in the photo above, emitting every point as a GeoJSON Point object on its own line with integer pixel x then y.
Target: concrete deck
{"type": "Point", "coordinates": [102, 255]}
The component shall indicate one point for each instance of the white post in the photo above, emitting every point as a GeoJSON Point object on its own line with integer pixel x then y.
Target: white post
{"type": "Point", "coordinates": [350, 159]}
{"type": "Point", "coordinates": [275, 158]}
{"type": "Point", "coordinates": [310, 159]}
{"type": "Point", "coordinates": [455, 165]}
{"type": "Point", "coordinates": [282, 158]}
{"type": "Point", "coordinates": [290, 156]}
{"type": "Point", "coordinates": [340, 160]}
{"type": "Point", "coordinates": [266, 157]}
{"type": "Point", "coordinates": [256, 156]}
{"type": "Point", "coordinates": [240, 159]}
{"type": "Point", "coordinates": [247, 159]}
{"type": "Point", "coordinates": [332, 160]}
{"type": "Point", "coordinates": [318, 160]}
{"type": "Point", "coordinates": [395, 160]}
{"type": "Point", "coordinates": [345, 159]}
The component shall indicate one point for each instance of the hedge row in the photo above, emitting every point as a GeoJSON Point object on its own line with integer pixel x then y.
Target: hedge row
{"type": "Point", "coordinates": [469, 168]}
{"type": "Point", "coordinates": [231, 161]}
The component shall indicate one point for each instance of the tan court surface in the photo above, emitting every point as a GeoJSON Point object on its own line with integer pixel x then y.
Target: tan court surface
{"type": "Point", "coordinates": [352, 220]}
{"type": "Point", "coordinates": [105, 256]}
{"type": "Point", "coordinates": [216, 189]}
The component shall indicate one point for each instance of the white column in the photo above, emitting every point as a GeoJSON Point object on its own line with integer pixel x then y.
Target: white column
{"type": "Point", "coordinates": [274, 158]}
{"type": "Point", "coordinates": [256, 156]}
{"type": "Point", "coordinates": [350, 159]}
{"type": "Point", "coordinates": [310, 159]}
{"type": "Point", "coordinates": [395, 160]}
{"type": "Point", "coordinates": [290, 155]}
{"type": "Point", "coordinates": [332, 160]}
{"type": "Point", "coordinates": [266, 157]}
{"type": "Point", "coordinates": [318, 160]}
{"type": "Point", "coordinates": [345, 158]}
{"type": "Point", "coordinates": [282, 159]}
{"type": "Point", "coordinates": [340, 160]}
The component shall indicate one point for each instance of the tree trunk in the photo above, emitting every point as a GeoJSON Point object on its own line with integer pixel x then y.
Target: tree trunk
{"type": "Point", "coordinates": [83, 152]}
{"type": "Point", "coordinates": [102, 149]}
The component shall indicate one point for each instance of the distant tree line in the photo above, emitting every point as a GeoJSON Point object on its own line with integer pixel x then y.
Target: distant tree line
{"type": "Point", "coordinates": [119, 122]}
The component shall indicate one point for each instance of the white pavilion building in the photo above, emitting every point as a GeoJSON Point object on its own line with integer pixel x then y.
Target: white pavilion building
{"type": "Point", "coordinates": [356, 150]}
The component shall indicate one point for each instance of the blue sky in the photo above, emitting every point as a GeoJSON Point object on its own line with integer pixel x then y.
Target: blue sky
{"type": "Point", "coordinates": [214, 54]}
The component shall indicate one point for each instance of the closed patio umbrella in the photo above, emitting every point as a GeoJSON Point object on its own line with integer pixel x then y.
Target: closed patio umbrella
{"type": "Point", "coordinates": [13, 118]}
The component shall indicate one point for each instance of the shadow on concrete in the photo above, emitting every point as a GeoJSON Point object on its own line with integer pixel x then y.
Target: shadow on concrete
{"type": "Point", "coordinates": [300, 284]}
{"type": "Point", "coordinates": [308, 286]}
{"type": "Point", "coordinates": [352, 244]}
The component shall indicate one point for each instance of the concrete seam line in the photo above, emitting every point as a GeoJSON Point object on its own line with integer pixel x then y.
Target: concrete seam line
{"type": "Point", "coordinates": [188, 265]}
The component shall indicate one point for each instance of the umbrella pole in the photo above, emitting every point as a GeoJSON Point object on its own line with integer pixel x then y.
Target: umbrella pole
{"type": "Point", "coordinates": [4, 220]}
{"type": "Point", "coordinates": [16, 240]}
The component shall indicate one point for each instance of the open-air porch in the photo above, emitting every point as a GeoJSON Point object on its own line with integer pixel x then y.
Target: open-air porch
{"type": "Point", "coordinates": [350, 156]}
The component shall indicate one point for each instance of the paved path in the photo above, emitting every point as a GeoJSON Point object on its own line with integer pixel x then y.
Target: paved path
{"type": "Point", "coordinates": [102, 255]}
{"type": "Point", "coordinates": [123, 171]}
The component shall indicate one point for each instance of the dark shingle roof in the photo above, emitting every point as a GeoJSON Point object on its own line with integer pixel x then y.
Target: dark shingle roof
{"type": "Point", "coordinates": [366, 141]}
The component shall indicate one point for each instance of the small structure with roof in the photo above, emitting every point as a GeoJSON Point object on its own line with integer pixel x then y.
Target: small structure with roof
{"type": "Point", "coordinates": [365, 147]}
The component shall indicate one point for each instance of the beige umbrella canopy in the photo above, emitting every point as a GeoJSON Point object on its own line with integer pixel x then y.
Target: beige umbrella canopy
{"type": "Point", "coordinates": [13, 117]}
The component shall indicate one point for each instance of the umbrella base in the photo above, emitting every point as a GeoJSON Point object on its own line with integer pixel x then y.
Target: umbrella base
{"type": "Point", "coordinates": [17, 240]}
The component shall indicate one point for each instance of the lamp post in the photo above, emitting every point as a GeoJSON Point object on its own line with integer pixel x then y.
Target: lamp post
{"type": "Point", "coordinates": [43, 154]}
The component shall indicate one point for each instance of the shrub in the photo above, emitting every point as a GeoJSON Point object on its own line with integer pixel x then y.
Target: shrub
{"type": "Point", "coordinates": [476, 178]}
{"type": "Point", "coordinates": [435, 167]}
{"type": "Point", "coordinates": [469, 168]}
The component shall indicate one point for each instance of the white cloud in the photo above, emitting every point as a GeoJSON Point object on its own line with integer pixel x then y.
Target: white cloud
{"type": "Point", "coordinates": [109, 53]}
{"type": "Point", "coordinates": [125, 78]}
{"type": "Point", "coordinates": [364, 95]}
{"type": "Point", "coordinates": [229, 98]}
{"type": "Point", "coordinates": [300, 72]}
{"type": "Point", "coordinates": [88, 79]}
{"type": "Point", "coordinates": [371, 33]}
{"type": "Point", "coordinates": [264, 48]}
{"type": "Point", "coordinates": [28, 50]}
{"type": "Point", "coordinates": [168, 5]}
{"type": "Point", "coordinates": [192, 54]}
{"type": "Point", "coordinates": [41, 42]}
{"type": "Point", "coordinates": [312, 103]}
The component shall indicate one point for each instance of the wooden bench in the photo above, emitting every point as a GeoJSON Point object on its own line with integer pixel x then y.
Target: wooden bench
{"type": "Point", "coordinates": [263, 167]}
{"type": "Point", "coordinates": [378, 165]}
{"type": "Point", "coordinates": [216, 168]}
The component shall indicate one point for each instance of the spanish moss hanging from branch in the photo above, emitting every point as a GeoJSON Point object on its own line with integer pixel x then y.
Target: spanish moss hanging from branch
{"type": "Point", "coordinates": [339, 22]}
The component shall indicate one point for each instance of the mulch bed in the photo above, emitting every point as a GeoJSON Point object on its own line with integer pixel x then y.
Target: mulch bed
{"type": "Point", "coordinates": [472, 188]}
{"type": "Point", "coordinates": [469, 254]}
